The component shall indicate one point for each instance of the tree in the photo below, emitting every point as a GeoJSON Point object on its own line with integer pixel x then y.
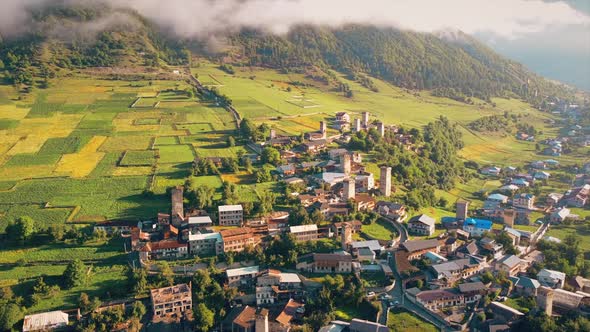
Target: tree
{"type": "Point", "coordinates": [10, 314]}
{"type": "Point", "coordinates": [204, 318]}
{"type": "Point", "coordinates": [75, 274]}
{"type": "Point", "coordinates": [140, 283]}
{"type": "Point", "coordinates": [271, 155]}
{"type": "Point", "coordinates": [263, 175]}
{"type": "Point", "coordinates": [248, 165]}
{"type": "Point", "coordinates": [166, 273]}
{"type": "Point", "coordinates": [231, 141]}
{"type": "Point", "coordinates": [22, 229]}
{"type": "Point", "coordinates": [138, 309]}
{"type": "Point", "coordinates": [204, 197]}
{"type": "Point", "coordinates": [267, 201]}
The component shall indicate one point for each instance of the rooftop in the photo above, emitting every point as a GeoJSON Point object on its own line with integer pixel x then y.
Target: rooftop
{"type": "Point", "coordinates": [205, 236]}
{"type": "Point", "coordinates": [168, 294]}
{"type": "Point", "coordinates": [371, 244]}
{"type": "Point", "coordinates": [45, 320]}
{"type": "Point", "coordinates": [424, 219]}
{"type": "Point", "coordinates": [225, 208]}
{"type": "Point", "coordinates": [417, 245]}
{"type": "Point", "coordinates": [199, 220]}
{"type": "Point", "coordinates": [242, 271]}
{"type": "Point", "coordinates": [303, 228]}
{"type": "Point", "coordinates": [471, 287]}
{"type": "Point", "coordinates": [479, 223]}
{"type": "Point", "coordinates": [360, 325]}
{"type": "Point", "coordinates": [510, 260]}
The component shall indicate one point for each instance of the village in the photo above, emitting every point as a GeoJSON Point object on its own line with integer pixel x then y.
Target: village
{"type": "Point", "coordinates": [450, 272]}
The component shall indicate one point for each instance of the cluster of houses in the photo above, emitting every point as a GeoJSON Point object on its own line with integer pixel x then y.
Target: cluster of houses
{"type": "Point", "coordinates": [512, 202]}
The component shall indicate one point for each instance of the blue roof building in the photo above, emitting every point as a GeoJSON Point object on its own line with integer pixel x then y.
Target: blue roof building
{"type": "Point", "coordinates": [476, 227]}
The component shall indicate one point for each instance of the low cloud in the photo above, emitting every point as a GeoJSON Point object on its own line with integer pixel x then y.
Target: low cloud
{"type": "Point", "coordinates": [203, 18]}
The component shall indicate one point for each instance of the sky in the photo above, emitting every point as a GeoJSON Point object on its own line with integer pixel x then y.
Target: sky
{"type": "Point", "coordinates": [551, 37]}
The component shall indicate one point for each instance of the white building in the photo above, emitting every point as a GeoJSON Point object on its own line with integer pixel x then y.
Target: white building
{"type": "Point", "coordinates": [551, 278]}
{"type": "Point", "coordinates": [241, 275]}
{"type": "Point", "coordinates": [231, 215]}
{"type": "Point", "coordinates": [205, 244]}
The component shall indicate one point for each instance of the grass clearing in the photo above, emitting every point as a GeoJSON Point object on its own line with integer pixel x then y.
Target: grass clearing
{"type": "Point", "coordinates": [400, 319]}
{"type": "Point", "coordinates": [176, 154]}
{"type": "Point", "coordinates": [380, 230]}
{"type": "Point", "coordinates": [138, 158]}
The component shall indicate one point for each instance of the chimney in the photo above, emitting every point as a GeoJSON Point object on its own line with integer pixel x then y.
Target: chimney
{"type": "Point", "coordinates": [357, 125]}
{"type": "Point", "coordinates": [262, 321]}
{"type": "Point", "coordinates": [462, 210]}
{"type": "Point", "coordinates": [509, 216]}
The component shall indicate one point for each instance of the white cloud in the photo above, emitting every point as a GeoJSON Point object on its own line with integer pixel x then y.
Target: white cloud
{"type": "Point", "coordinates": [504, 18]}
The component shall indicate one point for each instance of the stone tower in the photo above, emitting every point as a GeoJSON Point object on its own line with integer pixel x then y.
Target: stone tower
{"type": "Point", "coordinates": [349, 189]}
{"type": "Point", "coordinates": [273, 133]}
{"type": "Point", "coordinates": [381, 129]}
{"type": "Point", "coordinates": [323, 128]}
{"type": "Point", "coordinates": [366, 119]}
{"type": "Point", "coordinates": [262, 321]}
{"type": "Point", "coordinates": [385, 181]}
{"type": "Point", "coordinates": [462, 209]}
{"type": "Point", "coordinates": [509, 216]}
{"type": "Point", "coordinates": [345, 163]}
{"type": "Point", "coordinates": [545, 300]}
{"type": "Point", "coordinates": [357, 125]}
{"type": "Point", "coordinates": [345, 236]}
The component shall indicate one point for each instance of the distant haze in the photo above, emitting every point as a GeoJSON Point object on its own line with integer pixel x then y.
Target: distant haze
{"type": "Point", "coordinates": [506, 25]}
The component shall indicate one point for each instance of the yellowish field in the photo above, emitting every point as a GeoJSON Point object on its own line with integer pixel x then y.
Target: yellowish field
{"type": "Point", "coordinates": [81, 164]}
{"type": "Point", "coordinates": [122, 143]}
{"type": "Point", "coordinates": [127, 171]}
{"type": "Point", "coordinates": [30, 144]}
{"type": "Point", "coordinates": [25, 172]}
{"type": "Point", "coordinates": [78, 165]}
{"type": "Point", "coordinates": [10, 111]}
{"type": "Point", "coordinates": [93, 145]}
{"type": "Point", "coordinates": [128, 125]}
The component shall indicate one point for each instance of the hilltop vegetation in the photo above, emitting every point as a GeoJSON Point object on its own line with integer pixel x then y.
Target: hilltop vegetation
{"type": "Point", "coordinates": [459, 70]}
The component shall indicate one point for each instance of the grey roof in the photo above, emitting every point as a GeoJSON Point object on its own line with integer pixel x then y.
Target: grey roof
{"type": "Point", "coordinates": [527, 282]}
{"type": "Point", "coordinates": [471, 286]}
{"type": "Point", "coordinates": [425, 219]}
{"type": "Point", "coordinates": [371, 244]}
{"type": "Point", "coordinates": [417, 245]}
{"type": "Point", "coordinates": [510, 261]}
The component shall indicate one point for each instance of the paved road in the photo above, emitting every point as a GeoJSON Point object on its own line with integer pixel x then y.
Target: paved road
{"type": "Point", "coordinates": [398, 294]}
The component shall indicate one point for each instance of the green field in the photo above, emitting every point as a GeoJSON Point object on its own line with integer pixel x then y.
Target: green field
{"type": "Point", "coordinates": [402, 320]}
{"type": "Point", "coordinates": [380, 230]}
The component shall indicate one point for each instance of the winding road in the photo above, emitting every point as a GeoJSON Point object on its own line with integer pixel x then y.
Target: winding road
{"type": "Point", "coordinates": [398, 293]}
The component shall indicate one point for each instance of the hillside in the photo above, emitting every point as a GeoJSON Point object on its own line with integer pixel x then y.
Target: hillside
{"type": "Point", "coordinates": [457, 67]}
{"type": "Point", "coordinates": [454, 65]}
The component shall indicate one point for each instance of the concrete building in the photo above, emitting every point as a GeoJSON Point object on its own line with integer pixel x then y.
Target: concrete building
{"type": "Point", "coordinates": [242, 275]}
{"type": "Point", "coordinates": [510, 264]}
{"type": "Point", "coordinates": [385, 181]}
{"type": "Point", "coordinates": [326, 263]}
{"type": "Point", "coordinates": [231, 215]}
{"type": "Point", "coordinates": [171, 300]}
{"type": "Point", "coordinates": [440, 298]}
{"type": "Point", "coordinates": [237, 239]}
{"type": "Point", "coordinates": [348, 191]}
{"type": "Point", "coordinates": [524, 201]}
{"type": "Point", "coordinates": [462, 210]}
{"type": "Point", "coordinates": [551, 278]}
{"type": "Point", "coordinates": [417, 248]}
{"type": "Point", "coordinates": [205, 244]}
{"type": "Point", "coordinates": [304, 233]}
{"type": "Point", "coordinates": [421, 225]}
